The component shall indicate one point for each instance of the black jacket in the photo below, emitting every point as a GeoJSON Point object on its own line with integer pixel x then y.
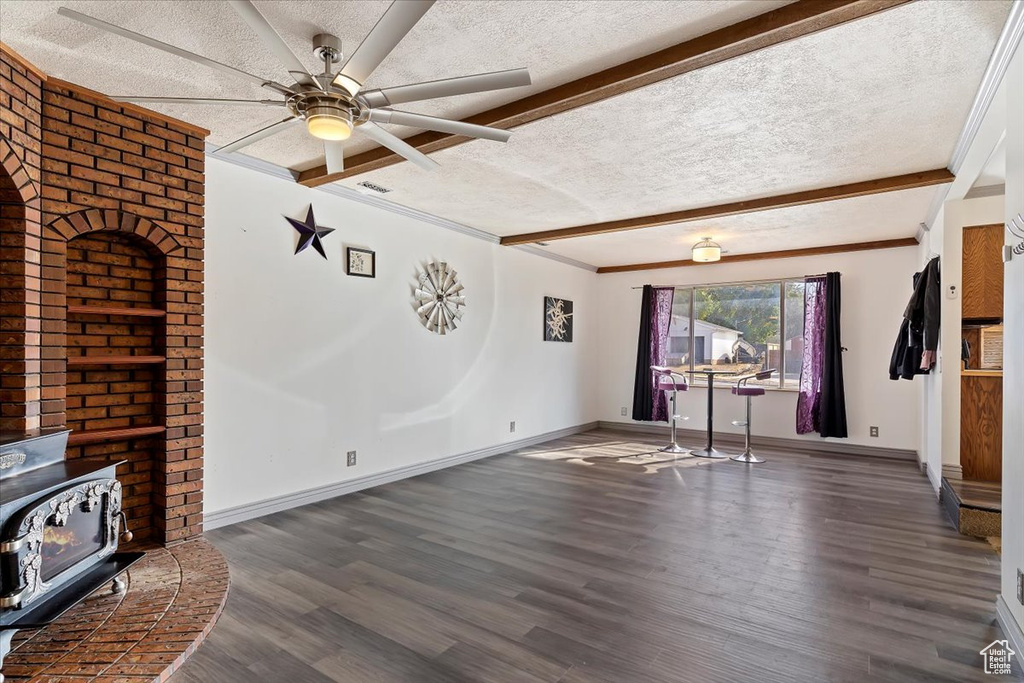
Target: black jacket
{"type": "Point", "coordinates": [919, 330]}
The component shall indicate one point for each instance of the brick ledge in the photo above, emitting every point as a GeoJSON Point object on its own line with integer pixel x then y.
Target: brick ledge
{"type": "Point", "coordinates": [174, 599]}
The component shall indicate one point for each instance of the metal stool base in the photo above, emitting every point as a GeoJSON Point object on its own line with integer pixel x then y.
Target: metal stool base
{"type": "Point", "coordinates": [674, 448]}
{"type": "Point", "coordinates": [712, 453]}
{"type": "Point", "coordinates": [746, 457]}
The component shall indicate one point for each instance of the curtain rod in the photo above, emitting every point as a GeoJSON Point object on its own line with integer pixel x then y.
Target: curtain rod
{"type": "Point", "coordinates": [738, 282]}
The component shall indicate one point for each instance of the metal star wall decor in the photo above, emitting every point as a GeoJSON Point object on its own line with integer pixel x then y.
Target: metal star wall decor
{"type": "Point", "coordinates": [310, 233]}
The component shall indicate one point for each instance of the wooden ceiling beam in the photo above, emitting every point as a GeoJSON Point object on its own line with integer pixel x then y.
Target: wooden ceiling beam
{"type": "Point", "coordinates": [764, 255]}
{"type": "Point", "coordinates": [908, 181]}
{"type": "Point", "coordinates": [771, 28]}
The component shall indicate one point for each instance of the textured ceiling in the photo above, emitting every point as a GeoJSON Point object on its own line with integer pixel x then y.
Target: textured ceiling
{"type": "Point", "coordinates": [860, 219]}
{"type": "Point", "coordinates": [881, 96]}
{"type": "Point", "coordinates": [558, 41]}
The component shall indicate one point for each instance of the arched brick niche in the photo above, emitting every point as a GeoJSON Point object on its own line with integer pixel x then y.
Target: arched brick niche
{"type": "Point", "coordinates": [20, 295]}
{"type": "Point", "coordinates": [116, 179]}
{"type": "Point", "coordinates": [129, 362]}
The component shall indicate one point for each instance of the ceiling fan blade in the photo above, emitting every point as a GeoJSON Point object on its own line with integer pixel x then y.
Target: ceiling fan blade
{"type": "Point", "coordinates": [199, 100]}
{"type": "Point", "coordinates": [447, 87]}
{"type": "Point", "coordinates": [153, 42]}
{"type": "Point", "coordinates": [274, 42]}
{"type": "Point", "coordinates": [404, 118]}
{"type": "Point", "coordinates": [397, 145]}
{"type": "Point", "coordinates": [334, 151]}
{"type": "Point", "coordinates": [398, 20]}
{"type": "Point", "coordinates": [272, 129]}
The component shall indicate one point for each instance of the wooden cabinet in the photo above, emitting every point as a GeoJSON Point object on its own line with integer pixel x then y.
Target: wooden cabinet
{"type": "Point", "coordinates": [981, 425]}
{"type": "Point", "coordinates": [982, 294]}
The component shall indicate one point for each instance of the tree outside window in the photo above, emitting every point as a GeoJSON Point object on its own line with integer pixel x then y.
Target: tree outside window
{"type": "Point", "coordinates": [744, 328]}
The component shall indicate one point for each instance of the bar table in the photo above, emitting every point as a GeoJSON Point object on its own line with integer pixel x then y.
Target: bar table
{"type": "Point", "coordinates": [709, 451]}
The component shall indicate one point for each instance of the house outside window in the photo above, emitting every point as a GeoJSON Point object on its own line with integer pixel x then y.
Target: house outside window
{"type": "Point", "coordinates": [743, 327]}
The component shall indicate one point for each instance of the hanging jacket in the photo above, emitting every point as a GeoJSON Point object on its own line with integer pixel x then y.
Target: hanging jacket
{"type": "Point", "coordinates": [923, 311]}
{"type": "Point", "coordinates": [906, 359]}
{"type": "Point", "coordinates": [918, 338]}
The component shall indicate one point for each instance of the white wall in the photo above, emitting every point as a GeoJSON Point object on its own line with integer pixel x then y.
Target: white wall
{"type": "Point", "coordinates": [943, 386]}
{"type": "Point", "coordinates": [1013, 330]}
{"type": "Point", "coordinates": [304, 363]}
{"type": "Point", "coordinates": [876, 288]}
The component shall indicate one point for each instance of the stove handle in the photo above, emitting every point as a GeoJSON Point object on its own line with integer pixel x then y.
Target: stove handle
{"type": "Point", "coordinates": [126, 534]}
{"type": "Point", "coordinates": [10, 563]}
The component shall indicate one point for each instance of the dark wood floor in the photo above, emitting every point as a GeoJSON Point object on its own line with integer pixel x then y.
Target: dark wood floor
{"type": "Point", "coordinates": [561, 563]}
{"type": "Point", "coordinates": [984, 495]}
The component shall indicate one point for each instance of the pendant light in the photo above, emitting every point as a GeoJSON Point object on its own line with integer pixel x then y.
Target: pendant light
{"type": "Point", "coordinates": [707, 251]}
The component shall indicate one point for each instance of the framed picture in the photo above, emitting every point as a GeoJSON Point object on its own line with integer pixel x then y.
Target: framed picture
{"type": "Point", "coordinates": [361, 262]}
{"type": "Point", "coordinates": [992, 347]}
{"type": "Point", "coordinates": [557, 319]}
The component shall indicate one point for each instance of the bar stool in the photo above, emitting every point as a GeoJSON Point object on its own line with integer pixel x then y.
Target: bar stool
{"type": "Point", "coordinates": [669, 380]}
{"type": "Point", "coordinates": [741, 389]}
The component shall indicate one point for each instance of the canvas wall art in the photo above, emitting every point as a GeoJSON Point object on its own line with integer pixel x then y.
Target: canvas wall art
{"type": "Point", "coordinates": [557, 319]}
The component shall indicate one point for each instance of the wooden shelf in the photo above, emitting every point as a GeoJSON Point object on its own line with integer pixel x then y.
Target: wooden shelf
{"type": "Point", "coordinates": [114, 360]}
{"type": "Point", "coordinates": [96, 435]}
{"type": "Point", "coordinates": [114, 310]}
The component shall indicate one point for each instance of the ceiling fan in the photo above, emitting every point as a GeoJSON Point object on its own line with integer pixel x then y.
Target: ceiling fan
{"type": "Point", "coordinates": [333, 104]}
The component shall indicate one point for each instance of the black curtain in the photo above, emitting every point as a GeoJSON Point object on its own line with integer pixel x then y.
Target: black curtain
{"type": "Point", "coordinates": [833, 394]}
{"type": "Point", "coordinates": [643, 393]}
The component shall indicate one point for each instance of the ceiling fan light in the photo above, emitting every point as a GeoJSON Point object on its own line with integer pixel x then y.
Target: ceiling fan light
{"type": "Point", "coordinates": [349, 84]}
{"type": "Point", "coordinates": [706, 251]}
{"type": "Point", "coordinates": [329, 123]}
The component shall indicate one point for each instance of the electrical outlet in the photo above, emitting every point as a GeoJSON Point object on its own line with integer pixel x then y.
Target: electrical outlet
{"type": "Point", "coordinates": [874, 431]}
{"type": "Point", "coordinates": [512, 426]}
{"type": "Point", "coordinates": [351, 459]}
{"type": "Point", "coordinates": [623, 411]}
{"type": "Point", "coordinates": [1020, 586]}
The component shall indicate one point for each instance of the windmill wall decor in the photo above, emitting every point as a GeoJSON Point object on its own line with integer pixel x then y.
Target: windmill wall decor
{"type": "Point", "coordinates": [439, 297]}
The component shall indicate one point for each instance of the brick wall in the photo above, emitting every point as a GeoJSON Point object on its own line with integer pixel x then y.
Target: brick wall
{"type": "Point", "coordinates": [20, 325]}
{"type": "Point", "coordinates": [117, 270]}
{"type": "Point", "coordinates": [120, 205]}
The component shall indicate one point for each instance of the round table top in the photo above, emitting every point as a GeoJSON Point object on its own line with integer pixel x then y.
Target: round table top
{"type": "Point", "coordinates": [712, 372]}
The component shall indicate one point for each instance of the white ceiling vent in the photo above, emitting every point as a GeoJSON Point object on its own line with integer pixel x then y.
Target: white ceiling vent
{"type": "Point", "coordinates": [366, 187]}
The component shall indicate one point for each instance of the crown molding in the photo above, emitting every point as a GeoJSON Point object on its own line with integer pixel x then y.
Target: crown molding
{"type": "Point", "coordinates": [251, 163]}
{"type": "Point", "coordinates": [283, 173]}
{"type": "Point", "coordinates": [539, 251]}
{"type": "Point", "coordinates": [1002, 54]}
{"type": "Point", "coordinates": [422, 216]}
{"type": "Point", "coordinates": [22, 62]}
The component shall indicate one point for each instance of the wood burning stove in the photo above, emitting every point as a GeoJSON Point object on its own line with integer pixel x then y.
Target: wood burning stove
{"type": "Point", "coordinates": [60, 523]}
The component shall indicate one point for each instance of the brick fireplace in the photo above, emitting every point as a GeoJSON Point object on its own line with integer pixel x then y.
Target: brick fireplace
{"type": "Point", "coordinates": [101, 268]}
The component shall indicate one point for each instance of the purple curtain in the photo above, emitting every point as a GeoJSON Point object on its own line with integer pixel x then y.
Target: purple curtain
{"type": "Point", "coordinates": [652, 349]}
{"type": "Point", "coordinates": [821, 405]}
{"type": "Point", "coordinates": [808, 403]}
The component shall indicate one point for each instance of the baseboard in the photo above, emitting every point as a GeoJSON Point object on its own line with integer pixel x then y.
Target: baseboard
{"type": "Point", "coordinates": [241, 513]}
{"type": "Point", "coordinates": [774, 442]}
{"type": "Point", "coordinates": [952, 471]}
{"type": "Point", "coordinates": [1011, 629]}
{"type": "Point", "coordinates": [935, 479]}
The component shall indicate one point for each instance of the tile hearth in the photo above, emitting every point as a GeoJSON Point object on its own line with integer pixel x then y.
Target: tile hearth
{"type": "Point", "coordinates": [174, 598]}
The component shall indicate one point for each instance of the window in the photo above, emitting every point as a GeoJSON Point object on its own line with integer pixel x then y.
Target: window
{"type": "Point", "coordinates": [745, 327]}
